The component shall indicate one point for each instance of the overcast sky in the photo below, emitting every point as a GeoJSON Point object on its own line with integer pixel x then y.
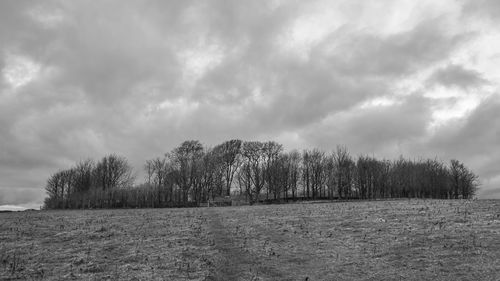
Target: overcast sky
{"type": "Point", "coordinates": [82, 79]}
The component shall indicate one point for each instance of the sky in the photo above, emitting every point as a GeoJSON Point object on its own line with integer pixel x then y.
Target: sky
{"type": "Point", "coordinates": [82, 79]}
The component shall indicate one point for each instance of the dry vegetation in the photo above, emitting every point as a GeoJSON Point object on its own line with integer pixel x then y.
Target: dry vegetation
{"type": "Point", "coordinates": [378, 240]}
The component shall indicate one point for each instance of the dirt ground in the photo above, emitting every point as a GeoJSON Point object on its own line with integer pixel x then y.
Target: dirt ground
{"type": "Point", "coordinates": [377, 240]}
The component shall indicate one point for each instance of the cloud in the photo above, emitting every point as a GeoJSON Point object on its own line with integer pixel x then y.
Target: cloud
{"type": "Point", "coordinates": [81, 79]}
{"type": "Point", "coordinates": [471, 132]}
{"type": "Point", "coordinates": [395, 55]}
{"type": "Point", "coordinates": [474, 140]}
{"type": "Point", "coordinates": [458, 76]}
{"type": "Point", "coordinates": [11, 208]}
{"type": "Point", "coordinates": [374, 130]}
{"type": "Point", "coordinates": [489, 8]}
{"type": "Point", "coordinates": [24, 197]}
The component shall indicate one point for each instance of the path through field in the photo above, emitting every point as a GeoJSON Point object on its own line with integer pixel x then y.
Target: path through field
{"type": "Point", "coordinates": [383, 240]}
{"type": "Point", "coordinates": [233, 263]}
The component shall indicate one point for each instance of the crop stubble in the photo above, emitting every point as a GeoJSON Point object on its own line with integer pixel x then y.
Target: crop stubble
{"type": "Point", "coordinates": [377, 240]}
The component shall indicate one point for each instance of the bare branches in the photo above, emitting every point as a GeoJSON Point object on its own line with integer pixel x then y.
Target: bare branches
{"type": "Point", "coordinates": [191, 174]}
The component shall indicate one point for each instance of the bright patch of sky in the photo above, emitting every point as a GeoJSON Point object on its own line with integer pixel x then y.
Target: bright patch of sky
{"type": "Point", "coordinates": [448, 111]}
{"type": "Point", "coordinates": [379, 102]}
{"type": "Point", "coordinates": [11, 208]}
{"type": "Point", "coordinates": [308, 30]}
{"type": "Point", "coordinates": [199, 60]}
{"type": "Point", "coordinates": [20, 70]}
{"type": "Point", "coordinates": [178, 107]}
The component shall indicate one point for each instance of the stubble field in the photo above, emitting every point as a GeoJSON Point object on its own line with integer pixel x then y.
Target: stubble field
{"type": "Point", "coordinates": [377, 240]}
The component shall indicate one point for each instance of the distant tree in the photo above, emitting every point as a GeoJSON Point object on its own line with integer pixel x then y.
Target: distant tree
{"type": "Point", "coordinates": [81, 183]}
{"type": "Point", "coordinates": [191, 174]}
{"type": "Point", "coordinates": [271, 152]}
{"type": "Point", "coordinates": [214, 172]}
{"type": "Point", "coordinates": [364, 177]}
{"type": "Point", "coordinates": [282, 178]}
{"type": "Point", "coordinates": [306, 172]}
{"type": "Point", "coordinates": [243, 177]}
{"type": "Point", "coordinates": [464, 182]}
{"type": "Point", "coordinates": [83, 175]}
{"type": "Point", "coordinates": [186, 160]}
{"type": "Point", "coordinates": [318, 172]}
{"type": "Point", "coordinates": [344, 166]}
{"type": "Point", "coordinates": [149, 169]}
{"type": "Point", "coordinates": [113, 172]}
{"type": "Point", "coordinates": [157, 170]}
{"type": "Point", "coordinates": [294, 167]}
{"type": "Point", "coordinates": [331, 176]}
{"type": "Point", "coordinates": [55, 191]}
{"type": "Point", "coordinates": [68, 177]}
{"type": "Point", "coordinates": [253, 170]}
{"type": "Point", "coordinates": [229, 153]}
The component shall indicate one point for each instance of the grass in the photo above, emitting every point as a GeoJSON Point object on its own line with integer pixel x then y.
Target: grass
{"type": "Point", "coordinates": [378, 240]}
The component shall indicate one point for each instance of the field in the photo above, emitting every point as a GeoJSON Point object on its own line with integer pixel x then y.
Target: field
{"type": "Point", "coordinates": [378, 240]}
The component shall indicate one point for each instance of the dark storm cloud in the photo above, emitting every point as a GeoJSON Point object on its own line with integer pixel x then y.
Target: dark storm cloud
{"type": "Point", "coordinates": [457, 75]}
{"type": "Point", "coordinates": [138, 79]}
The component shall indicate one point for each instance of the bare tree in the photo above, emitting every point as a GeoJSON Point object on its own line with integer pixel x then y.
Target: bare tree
{"type": "Point", "coordinates": [318, 174]}
{"type": "Point", "coordinates": [54, 189]}
{"type": "Point", "coordinates": [217, 176]}
{"type": "Point", "coordinates": [294, 166]}
{"type": "Point", "coordinates": [271, 151]}
{"type": "Point", "coordinates": [230, 156]}
{"type": "Point", "coordinates": [253, 168]}
{"type": "Point", "coordinates": [306, 172]}
{"type": "Point", "coordinates": [186, 160]}
{"type": "Point", "coordinates": [464, 182]}
{"type": "Point", "coordinates": [113, 172]}
{"type": "Point", "coordinates": [344, 166]}
{"type": "Point", "coordinates": [191, 174]}
{"type": "Point", "coordinates": [157, 170]}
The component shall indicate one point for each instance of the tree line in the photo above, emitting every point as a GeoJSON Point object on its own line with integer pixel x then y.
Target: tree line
{"type": "Point", "coordinates": [253, 171]}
